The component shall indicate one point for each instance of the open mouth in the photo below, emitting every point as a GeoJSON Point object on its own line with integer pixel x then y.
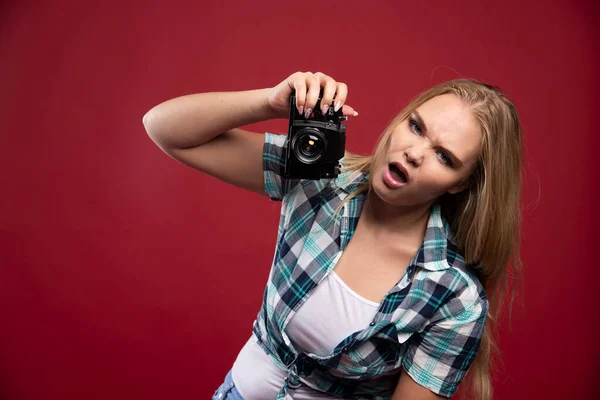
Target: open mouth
{"type": "Point", "coordinates": [397, 174]}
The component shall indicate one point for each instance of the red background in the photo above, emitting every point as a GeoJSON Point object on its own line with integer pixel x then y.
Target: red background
{"type": "Point", "coordinates": [124, 274]}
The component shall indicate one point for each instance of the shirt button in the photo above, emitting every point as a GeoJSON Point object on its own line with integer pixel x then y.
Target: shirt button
{"type": "Point", "coordinates": [345, 349]}
{"type": "Point", "coordinates": [372, 323]}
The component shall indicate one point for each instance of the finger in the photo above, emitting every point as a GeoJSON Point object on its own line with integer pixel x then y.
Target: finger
{"type": "Point", "coordinates": [349, 111]}
{"type": "Point", "coordinates": [300, 88]}
{"type": "Point", "coordinates": [314, 87]}
{"type": "Point", "coordinates": [330, 87]}
{"type": "Point", "coordinates": [340, 95]}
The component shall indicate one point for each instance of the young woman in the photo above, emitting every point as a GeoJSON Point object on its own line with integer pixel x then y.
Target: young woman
{"type": "Point", "coordinates": [386, 280]}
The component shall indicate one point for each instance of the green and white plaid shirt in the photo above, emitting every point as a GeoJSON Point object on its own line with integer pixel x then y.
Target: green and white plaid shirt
{"type": "Point", "coordinates": [430, 322]}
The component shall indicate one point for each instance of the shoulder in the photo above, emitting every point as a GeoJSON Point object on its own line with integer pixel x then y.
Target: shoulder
{"type": "Point", "coordinates": [444, 271]}
{"type": "Point", "coordinates": [457, 291]}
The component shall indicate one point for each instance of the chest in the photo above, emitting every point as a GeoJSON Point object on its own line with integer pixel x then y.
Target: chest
{"type": "Point", "coordinates": [371, 269]}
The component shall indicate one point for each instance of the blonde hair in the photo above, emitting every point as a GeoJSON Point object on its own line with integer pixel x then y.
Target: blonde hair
{"type": "Point", "coordinates": [485, 218]}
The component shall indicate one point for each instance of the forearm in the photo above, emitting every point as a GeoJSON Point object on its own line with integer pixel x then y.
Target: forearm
{"type": "Point", "coordinates": [195, 119]}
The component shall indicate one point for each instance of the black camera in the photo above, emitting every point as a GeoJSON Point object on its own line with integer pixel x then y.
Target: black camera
{"type": "Point", "coordinates": [315, 144]}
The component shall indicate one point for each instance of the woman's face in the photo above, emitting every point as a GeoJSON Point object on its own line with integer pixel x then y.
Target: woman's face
{"type": "Point", "coordinates": [435, 150]}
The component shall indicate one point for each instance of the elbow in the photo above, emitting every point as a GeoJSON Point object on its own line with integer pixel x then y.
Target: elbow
{"type": "Point", "coordinates": [149, 122]}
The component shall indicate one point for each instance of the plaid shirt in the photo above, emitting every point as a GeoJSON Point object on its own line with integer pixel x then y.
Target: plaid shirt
{"type": "Point", "coordinates": [430, 322]}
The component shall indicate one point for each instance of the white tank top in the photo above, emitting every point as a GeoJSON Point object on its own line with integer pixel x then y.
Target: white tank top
{"type": "Point", "coordinates": [332, 312]}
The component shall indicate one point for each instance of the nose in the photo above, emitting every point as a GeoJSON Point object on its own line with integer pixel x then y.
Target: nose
{"type": "Point", "coordinates": [414, 155]}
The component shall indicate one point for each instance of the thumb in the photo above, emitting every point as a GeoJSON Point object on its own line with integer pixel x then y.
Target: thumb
{"type": "Point", "coordinates": [348, 111]}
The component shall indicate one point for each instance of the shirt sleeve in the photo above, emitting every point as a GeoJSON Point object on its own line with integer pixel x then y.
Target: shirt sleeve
{"type": "Point", "coordinates": [274, 151]}
{"type": "Point", "coordinates": [439, 357]}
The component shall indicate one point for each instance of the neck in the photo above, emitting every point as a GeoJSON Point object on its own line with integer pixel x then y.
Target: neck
{"type": "Point", "coordinates": [387, 222]}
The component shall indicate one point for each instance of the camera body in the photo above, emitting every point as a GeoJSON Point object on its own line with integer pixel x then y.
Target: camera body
{"type": "Point", "coordinates": [315, 144]}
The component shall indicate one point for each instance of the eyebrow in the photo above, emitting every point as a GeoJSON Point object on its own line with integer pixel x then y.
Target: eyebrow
{"type": "Point", "coordinates": [457, 160]}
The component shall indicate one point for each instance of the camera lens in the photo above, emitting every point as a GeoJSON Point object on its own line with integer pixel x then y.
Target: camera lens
{"type": "Point", "coordinates": [309, 146]}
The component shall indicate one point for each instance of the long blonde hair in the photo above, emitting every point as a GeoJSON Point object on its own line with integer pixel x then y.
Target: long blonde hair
{"type": "Point", "coordinates": [485, 218]}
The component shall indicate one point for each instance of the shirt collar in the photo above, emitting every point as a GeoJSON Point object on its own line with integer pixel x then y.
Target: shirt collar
{"type": "Point", "coordinates": [438, 251]}
{"type": "Point", "coordinates": [349, 181]}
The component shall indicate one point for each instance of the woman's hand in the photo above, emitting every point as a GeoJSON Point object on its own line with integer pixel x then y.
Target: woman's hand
{"type": "Point", "coordinates": [307, 86]}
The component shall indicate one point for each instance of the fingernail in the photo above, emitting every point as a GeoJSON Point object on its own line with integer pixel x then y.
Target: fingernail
{"type": "Point", "coordinates": [300, 110]}
{"type": "Point", "coordinates": [355, 113]}
{"type": "Point", "coordinates": [308, 112]}
{"type": "Point", "coordinates": [325, 108]}
{"type": "Point", "coordinates": [337, 106]}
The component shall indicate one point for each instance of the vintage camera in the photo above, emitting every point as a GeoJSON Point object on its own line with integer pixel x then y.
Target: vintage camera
{"type": "Point", "coordinates": [315, 144]}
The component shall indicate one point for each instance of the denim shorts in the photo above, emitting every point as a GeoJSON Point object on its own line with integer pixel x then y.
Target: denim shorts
{"type": "Point", "coordinates": [227, 390]}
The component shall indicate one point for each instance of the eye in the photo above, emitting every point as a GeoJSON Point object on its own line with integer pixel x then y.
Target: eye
{"type": "Point", "coordinates": [444, 158]}
{"type": "Point", "coordinates": [415, 126]}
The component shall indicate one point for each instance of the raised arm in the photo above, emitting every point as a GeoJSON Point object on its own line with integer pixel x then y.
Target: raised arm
{"type": "Point", "coordinates": [202, 130]}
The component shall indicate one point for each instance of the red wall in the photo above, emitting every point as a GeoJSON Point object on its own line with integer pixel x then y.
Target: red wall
{"type": "Point", "coordinates": [124, 274]}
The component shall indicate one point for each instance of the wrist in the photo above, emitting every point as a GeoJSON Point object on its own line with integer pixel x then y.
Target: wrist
{"type": "Point", "coordinates": [266, 107]}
